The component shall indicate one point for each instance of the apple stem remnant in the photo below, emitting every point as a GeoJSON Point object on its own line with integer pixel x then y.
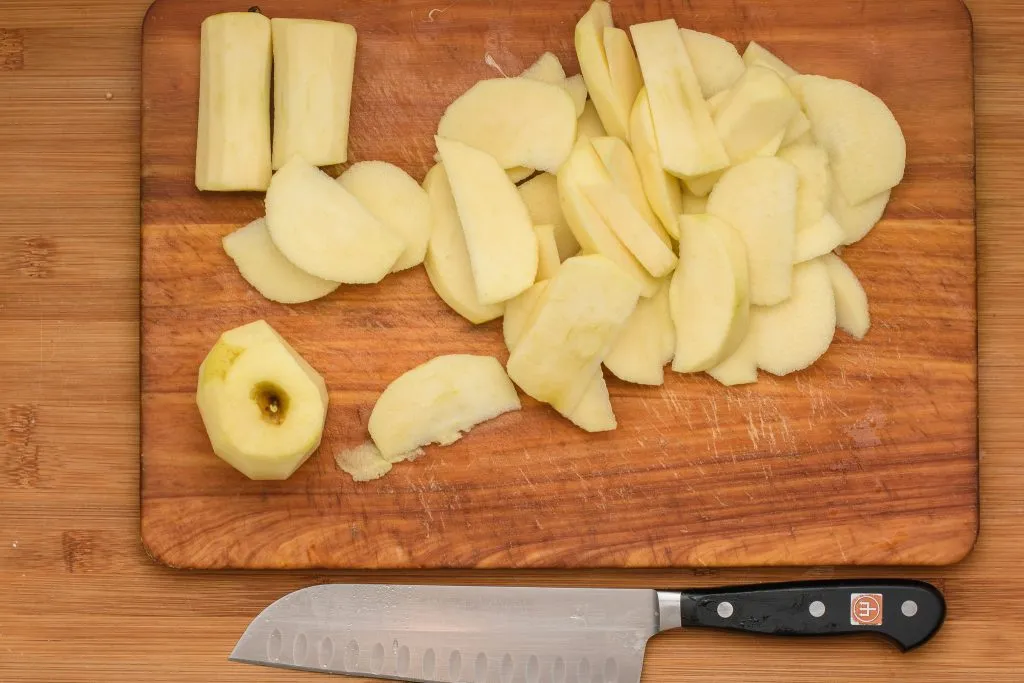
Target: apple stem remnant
{"type": "Point", "coordinates": [272, 401]}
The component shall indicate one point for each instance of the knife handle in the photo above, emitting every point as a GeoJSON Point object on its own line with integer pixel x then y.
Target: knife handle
{"type": "Point", "coordinates": [907, 612]}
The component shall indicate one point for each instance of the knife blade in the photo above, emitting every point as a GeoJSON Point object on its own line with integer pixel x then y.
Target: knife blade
{"type": "Point", "coordinates": [480, 634]}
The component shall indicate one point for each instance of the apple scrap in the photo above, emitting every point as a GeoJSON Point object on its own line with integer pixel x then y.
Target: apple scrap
{"type": "Point", "coordinates": [677, 205]}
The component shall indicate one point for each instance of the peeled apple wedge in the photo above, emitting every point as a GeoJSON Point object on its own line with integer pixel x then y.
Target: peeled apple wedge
{"type": "Point", "coordinates": [518, 312]}
{"type": "Point", "coordinates": [646, 343]}
{"type": "Point", "coordinates": [577, 89]}
{"type": "Point", "coordinates": [518, 121]}
{"type": "Point", "coordinates": [233, 137]}
{"type": "Point", "coordinates": [264, 267]}
{"type": "Point", "coordinates": [740, 367]}
{"type": "Point", "coordinates": [499, 234]}
{"type": "Point", "coordinates": [630, 227]}
{"type": "Point", "coordinates": [715, 60]}
{"type": "Point", "coordinates": [709, 295]}
{"type": "Point", "coordinates": [858, 219]}
{"type": "Point", "coordinates": [397, 201]}
{"type": "Point", "coordinates": [758, 108]}
{"type": "Point", "coordinates": [865, 146]}
{"type": "Point", "coordinates": [589, 123]}
{"type": "Point", "coordinates": [621, 166]}
{"type": "Point", "coordinates": [439, 400]}
{"type": "Point", "coordinates": [447, 259]}
{"type": "Point", "coordinates": [547, 69]}
{"type": "Point", "coordinates": [262, 404]}
{"type": "Point", "coordinates": [815, 182]}
{"type": "Point", "coordinates": [313, 66]}
{"type": "Point", "coordinates": [321, 228]}
{"type": "Point", "coordinates": [572, 329]}
{"type": "Point", "coordinates": [547, 252]}
{"type": "Point", "coordinates": [821, 238]}
{"type": "Point", "coordinates": [688, 143]}
{"type": "Point", "coordinates": [662, 190]}
{"type": "Point", "coordinates": [756, 54]}
{"type": "Point", "coordinates": [758, 198]}
{"type": "Point", "coordinates": [540, 194]}
{"type": "Point", "coordinates": [852, 313]}
{"type": "Point", "coordinates": [608, 66]}
{"type": "Point", "coordinates": [791, 335]}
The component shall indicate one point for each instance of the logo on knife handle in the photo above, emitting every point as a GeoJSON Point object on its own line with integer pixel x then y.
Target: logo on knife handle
{"type": "Point", "coordinates": [865, 609]}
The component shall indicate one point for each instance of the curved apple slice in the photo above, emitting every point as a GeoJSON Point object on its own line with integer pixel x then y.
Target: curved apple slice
{"type": "Point", "coordinates": [852, 313]}
{"type": "Point", "coordinates": [540, 194]}
{"type": "Point", "coordinates": [740, 367]}
{"type": "Point", "coordinates": [608, 66]}
{"type": "Point", "coordinates": [547, 252]}
{"type": "Point", "coordinates": [715, 60]}
{"type": "Point", "coordinates": [758, 108]}
{"type": "Point", "coordinates": [646, 343]}
{"type": "Point", "coordinates": [547, 69]}
{"type": "Point", "coordinates": [815, 182]}
{"type": "Point", "coordinates": [817, 240]}
{"type": "Point", "coordinates": [589, 123]}
{"type": "Point", "coordinates": [662, 189]}
{"type": "Point", "coordinates": [857, 220]}
{"type": "Point", "coordinates": [756, 54]}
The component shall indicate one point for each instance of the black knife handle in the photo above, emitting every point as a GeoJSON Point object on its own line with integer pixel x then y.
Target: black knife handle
{"type": "Point", "coordinates": [907, 612]}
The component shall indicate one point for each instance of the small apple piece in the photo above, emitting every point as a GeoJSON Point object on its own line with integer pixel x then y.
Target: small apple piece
{"type": "Point", "coordinates": [540, 194]}
{"type": "Point", "coordinates": [233, 136]}
{"type": "Point", "coordinates": [821, 238]}
{"type": "Point", "coordinates": [857, 219]}
{"type": "Point", "coordinates": [688, 143]}
{"type": "Point", "coordinates": [518, 312]}
{"type": "Point", "coordinates": [715, 60]}
{"type": "Point", "coordinates": [662, 189]}
{"type": "Point", "coordinates": [577, 89]}
{"type": "Point", "coordinates": [646, 343]}
{"type": "Point", "coordinates": [547, 252]}
{"type": "Point", "coordinates": [758, 198]}
{"type": "Point", "coordinates": [630, 227]}
{"type": "Point", "coordinates": [362, 463]}
{"type": "Point", "coordinates": [439, 400]}
{"type": "Point", "coordinates": [701, 185]}
{"type": "Point", "coordinates": [574, 326]}
{"type": "Point", "coordinates": [757, 55]}
{"type": "Point", "coordinates": [547, 69]}
{"type": "Point", "coordinates": [589, 123]}
{"type": "Point", "coordinates": [447, 259]}
{"type": "Point", "coordinates": [852, 313]}
{"type": "Point", "coordinates": [866, 148]}
{"type": "Point", "coordinates": [791, 335]}
{"type": "Point", "coordinates": [740, 367]}
{"type": "Point", "coordinates": [709, 294]}
{"type": "Point", "coordinates": [799, 127]}
{"type": "Point", "coordinates": [815, 183]}
{"type": "Point", "coordinates": [313, 66]}
{"type": "Point", "coordinates": [608, 66]}
{"type": "Point", "coordinates": [623, 68]}
{"type": "Point", "coordinates": [758, 108]}
{"type": "Point", "coordinates": [518, 121]}
{"type": "Point", "coordinates": [621, 166]}
{"type": "Point", "coordinates": [693, 205]}
{"type": "Point", "coordinates": [397, 201]}
{"type": "Point", "coordinates": [321, 228]}
{"type": "Point", "coordinates": [262, 404]}
{"type": "Point", "coordinates": [264, 267]}
{"type": "Point", "coordinates": [499, 234]}
{"type": "Point", "coordinates": [518, 174]}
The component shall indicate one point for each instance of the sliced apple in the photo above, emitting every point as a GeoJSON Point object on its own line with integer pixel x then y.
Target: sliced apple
{"type": "Point", "coordinates": [709, 294]}
{"type": "Point", "coordinates": [857, 219]}
{"type": "Point", "coordinates": [791, 335]}
{"type": "Point", "coordinates": [799, 127]}
{"type": "Point", "coordinates": [577, 89]}
{"type": "Point", "coordinates": [715, 60]}
{"type": "Point", "coordinates": [621, 166]}
{"type": "Point", "coordinates": [758, 108]}
{"type": "Point", "coordinates": [687, 140]}
{"type": "Point", "coordinates": [547, 252]}
{"type": "Point", "coordinates": [314, 62]}
{"type": "Point", "coordinates": [815, 183]}
{"type": "Point", "coordinates": [589, 123]}
{"type": "Point", "coordinates": [447, 260]}
{"type": "Point", "coordinates": [547, 69]}
{"type": "Point", "coordinates": [574, 326]}
{"type": "Point", "coordinates": [518, 312]}
{"type": "Point", "coordinates": [264, 267]}
{"type": "Point", "coordinates": [518, 121]}
{"type": "Point", "coordinates": [821, 238]}
{"type": "Point", "coordinates": [852, 313]}
{"type": "Point", "coordinates": [630, 227]}
{"type": "Point", "coordinates": [321, 228]}
{"type": "Point", "coordinates": [233, 137]}
{"type": "Point", "coordinates": [540, 194]}
{"type": "Point", "coordinates": [701, 186]}
{"type": "Point", "coordinates": [662, 190]}
{"type": "Point", "coordinates": [692, 205]}
{"type": "Point", "coordinates": [866, 148]}
{"type": "Point", "coordinates": [608, 66]}
{"type": "Point", "coordinates": [397, 201]}
{"type": "Point", "coordinates": [758, 198]}
{"type": "Point", "coordinates": [646, 343]}
{"type": "Point", "coordinates": [757, 55]}
{"type": "Point", "coordinates": [363, 463]}
{"type": "Point", "coordinates": [262, 404]}
{"type": "Point", "coordinates": [740, 367]}
{"type": "Point", "coordinates": [439, 400]}
{"type": "Point", "coordinates": [499, 234]}
{"type": "Point", "coordinates": [518, 174]}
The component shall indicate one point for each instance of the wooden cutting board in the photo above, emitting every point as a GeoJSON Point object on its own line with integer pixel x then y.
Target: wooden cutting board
{"type": "Point", "coordinates": [869, 457]}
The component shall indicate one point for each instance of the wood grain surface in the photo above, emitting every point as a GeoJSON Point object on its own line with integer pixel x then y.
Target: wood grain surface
{"type": "Point", "coordinates": [79, 598]}
{"type": "Point", "coordinates": [869, 457]}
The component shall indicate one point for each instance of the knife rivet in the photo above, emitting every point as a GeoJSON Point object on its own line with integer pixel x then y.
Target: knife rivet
{"type": "Point", "coordinates": [817, 609]}
{"type": "Point", "coordinates": [909, 608]}
{"type": "Point", "coordinates": [725, 609]}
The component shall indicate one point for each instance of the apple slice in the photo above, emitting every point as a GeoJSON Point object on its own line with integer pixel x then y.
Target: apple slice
{"type": "Point", "coordinates": [313, 66]}
{"type": "Point", "coordinates": [692, 205]}
{"type": "Point", "coordinates": [439, 400]}
{"type": "Point", "coordinates": [577, 89]}
{"type": "Point", "coordinates": [798, 127]}
{"type": "Point", "coordinates": [499, 234]}
{"type": "Point", "coordinates": [518, 174]}
{"type": "Point", "coordinates": [758, 108]}
{"type": "Point", "coordinates": [709, 294]}
{"type": "Point", "coordinates": [621, 166]}
{"type": "Point", "coordinates": [701, 185]}
{"type": "Point", "coordinates": [715, 60]}
{"type": "Point", "coordinates": [233, 137]}
{"type": "Point", "coordinates": [321, 228]}
{"type": "Point", "coordinates": [758, 198]}
{"type": "Point", "coordinates": [547, 69]}
{"type": "Point", "coordinates": [630, 227]}
{"type": "Point", "coordinates": [662, 190]}
{"type": "Point", "coordinates": [857, 220]}
{"type": "Point", "coordinates": [584, 168]}
{"type": "Point", "coordinates": [397, 201]}
{"type": "Point", "coordinates": [608, 66]}
{"type": "Point", "coordinates": [687, 140]}
{"type": "Point", "coordinates": [540, 194]}
{"type": "Point", "coordinates": [852, 313]}
{"type": "Point", "coordinates": [589, 123]}
{"type": "Point", "coordinates": [791, 335]}
{"type": "Point", "coordinates": [362, 463]}
{"type": "Point", "coordinates": [757, 55]}
{"type": "Point", "coordinates": [518, 121]}
{"type": "Point", "coordinates": [518, 312]}
{"type": "Point", "coordinates": [646, 343]}
{"type": "Point", "coordinates": [572, 329]}
{"type": "Point", "coordinates": [547, 252]}
{"type": "Point", "coordinates": [821, 238]}
{"type": "Point", "coordinates": [447, 259]}
{"type": "Point", "coordinates": [264, 267]}
{"type": "Point", "coordinates": [740, 367]}
{"type": "Point", "coordinates": [865, 145]}
{"type": "Point", "coordinates": [815, 183]}
{"type": "Point", "coordinates": [262, 404]}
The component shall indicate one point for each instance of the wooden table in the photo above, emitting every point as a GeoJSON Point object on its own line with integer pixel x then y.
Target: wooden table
{"type": "Point", "coordinates": [79, 599]}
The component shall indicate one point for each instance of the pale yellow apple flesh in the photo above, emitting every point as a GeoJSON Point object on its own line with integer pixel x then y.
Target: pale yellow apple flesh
{"type": "Point", "coordinates": [755, 54]}
{"type": "Point", "coordinates": [540, 194]}
{"type": "Point", "coordinates": [629, 226]}
{"type": "Point", "coordinates": [621, 166]}
{"type": "Point", "coordinates": [662, 189]}
{"type": "Point", "coordinates": [363, 463]}
{"type": "Point", "coordinates": [857, 220]}
{"type": "Point", "coordinates": [547, 252]}
{"type": "Point", "coordinates": [647, 342]}
{"type": "Point", "coordinates": [609, 98]}
{"type": "Point", "coordinates": [233, 135]}
{"type": "Point", "coordinates": [547, 69]}
{"type": "Point", "coordinates": [820, 238]}
{"type": "Point", "coordinates": [577, 89]}
{"type": "Point", "coordinates": [815, 182]}
{"type": "Point", "coordinates": [518, 312]}
{"type": "Point", "coordinates": [692, 205]}
{"type": "Point", "coordinates": [314, 62]}
{"type": "Point", "coordinates": [740, 367]}
{"type": "Point", "coordinates": [517, 174]}
{"type": "Point", "coordinates": [852, 313]}
{"type": "Point", "coordinates": [756, 110]}
{"type": "Point", "coordinates": [716, 61]}
{"type": "Point", "coordinates": [589, 123]}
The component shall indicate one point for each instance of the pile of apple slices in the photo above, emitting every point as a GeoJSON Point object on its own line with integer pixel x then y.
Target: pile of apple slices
{"type": "Point", "coordinates": [680, 204]}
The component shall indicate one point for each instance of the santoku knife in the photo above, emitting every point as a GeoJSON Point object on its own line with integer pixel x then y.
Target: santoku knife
{"type": "Point", "coordinates": [556, 635]}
